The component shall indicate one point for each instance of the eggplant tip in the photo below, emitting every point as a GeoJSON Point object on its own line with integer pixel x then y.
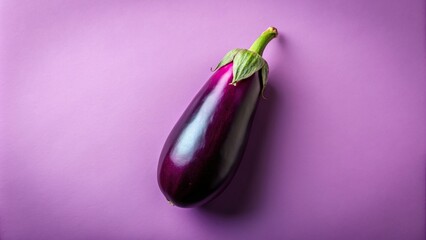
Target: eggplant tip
{"type": "Point", "coordinates": [274, 30]}
{"type": "Point", "coordinates": [171, 203]}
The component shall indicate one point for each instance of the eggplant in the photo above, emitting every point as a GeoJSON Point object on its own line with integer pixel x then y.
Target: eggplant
{"type": "Point", "coordinates": [206, 145]}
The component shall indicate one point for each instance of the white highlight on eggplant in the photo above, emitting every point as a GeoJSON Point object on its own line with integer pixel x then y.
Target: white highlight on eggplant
{"type": "Point", "coordinates": [193, 134]}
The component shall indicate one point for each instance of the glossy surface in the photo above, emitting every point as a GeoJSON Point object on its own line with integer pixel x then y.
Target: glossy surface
{"type": "Point", "coordinates": [206, 145]}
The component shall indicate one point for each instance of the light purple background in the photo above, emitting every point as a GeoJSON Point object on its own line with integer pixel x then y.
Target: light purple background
{"type": "Point", "coordinates": [91, 89]}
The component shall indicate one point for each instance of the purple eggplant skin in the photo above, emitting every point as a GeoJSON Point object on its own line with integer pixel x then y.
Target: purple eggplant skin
{"type": "Point", "coordinates": [205, 147]}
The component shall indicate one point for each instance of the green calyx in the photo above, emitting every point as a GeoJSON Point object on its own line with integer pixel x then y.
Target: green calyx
{"type": "Point", "coordinates": [247, 62]}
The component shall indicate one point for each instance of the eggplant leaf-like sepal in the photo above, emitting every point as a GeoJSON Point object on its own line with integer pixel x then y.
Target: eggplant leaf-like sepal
{"type": "Point", "coordinates": [229, 57]}
{"type": "Point", "coordinates": [264, 76]}
{"type": "Point", "coordinates": [245, 64]}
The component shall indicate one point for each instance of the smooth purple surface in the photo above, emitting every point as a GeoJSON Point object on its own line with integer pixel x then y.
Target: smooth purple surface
{"type": "Point", "coordinates": [89, 91]}
{"type": "Point", "coordinates": [205, 148]}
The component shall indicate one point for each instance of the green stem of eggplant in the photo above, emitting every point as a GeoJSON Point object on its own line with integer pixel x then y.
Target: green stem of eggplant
{"type": "Point", "coordinates": [259, 45]}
